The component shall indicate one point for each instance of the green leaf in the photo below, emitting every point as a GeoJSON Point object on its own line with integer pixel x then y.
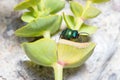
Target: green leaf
{"type": "Point", "coordinates": [73, 54]}
{"type": "Point", "coordinates": [26, 4]}
{"type": "Point", "coordinates": [44, 13]}
{"type": "Point", "coordinates": [76, 8]}
{"type": "Point", "coordinates": [41, 6]}
{"type": "Point", "coordinates": [88, 29]}
{"type": "Point", "coordinates": [27, 17]}
{"type": "Point", "coordinates": [69, 20]}
{"type": "Point", "coordinates": [31, 9]}
{"type": "Point", "coordinates": [91, 12]}
{"type": "Point", "coordinates": [41, 52]}
{"type": "Point", "coordinates": [54, 6]}
{"type": "Point", "coordinates": [99, 1]}
{"type": "Point", "coordinates": [40, 26]}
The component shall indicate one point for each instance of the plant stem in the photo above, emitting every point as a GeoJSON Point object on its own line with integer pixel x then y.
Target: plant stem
{"type": "Point", "coordinates": [79, 23]}
{"type": "Point", "coordinates": [79, 20]}
{"type": "Point", "coordinates": [35, 11]}
{"type": "Point", "coordinates": [58, 71]}
{"type": "Point", "coordinates": [86, 7]}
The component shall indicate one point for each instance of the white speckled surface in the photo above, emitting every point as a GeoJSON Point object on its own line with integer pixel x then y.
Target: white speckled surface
{"type": "Point", "coordinates": [104, 64]}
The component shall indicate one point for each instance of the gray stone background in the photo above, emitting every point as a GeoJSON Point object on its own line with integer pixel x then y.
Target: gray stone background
{"type": "Point", "coordinates": [104, 64]}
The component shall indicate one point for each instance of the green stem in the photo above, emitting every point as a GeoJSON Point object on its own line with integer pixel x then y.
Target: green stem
{"type": "Point", "coordinates": [35, 11]}
{"type": "Point", "coordinates": [86, 7]}
{"type": "Point", "coordinates": [79, 23]}
{"type": "Point", "coordinates": [42, 5]}
{"type": "Point", "coordinates": [58, 71]}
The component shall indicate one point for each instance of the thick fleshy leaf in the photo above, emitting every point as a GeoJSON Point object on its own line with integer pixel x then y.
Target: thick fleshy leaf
{"type": "Point", "coordinates": [73, 54]}
{"type": "Point", "coordinates": [69, 20]}
{"type": "Point", "coordinates": [88, 29]}
{"type": "Point", "coordinates": [99, 1]}
{"type": "Point", "coordinates": [26, 4]}
{"type": "Point", "coordinates": [27, 17]}
{"type": "Point", "coordinates": [76, 8]}
{"type": "Point", "coordinates": [40, 26]}
{"type": "Point", "coordinates": [42, 52]}
{"type": "Point", "coordinates": [54, 6]}
{"type": "Point", "coordinates": [91, 12]}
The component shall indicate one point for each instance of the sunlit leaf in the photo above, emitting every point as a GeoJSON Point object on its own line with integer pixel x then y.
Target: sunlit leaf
{"type": "Point", "coordinates": [73, 54]}
{"type": "Point", "coordinates": [69, 20]}
{"type": "Point", "coordinates": [54, 6]}
{"type": "Point", "coordinates": [41, 6]}
{"type": "Point", "coordinates": [26, 4]}
{"type": "Point", "coordinates": [27, 17]}
{"type": "Point", "coordinates": [91, 12]}
{"type": "Point", "coordinates": [44, 13]}
{"type": "Point", "coordinates": [39, 26]}
{"type": "Point", "coordinates": [88, 29]}
{"type": "Point", "coordinates": [99, 1]}
{"type": "Point", "coordinates": [76, 8]}
{"type": "Point", "coordinates": [42, 52]}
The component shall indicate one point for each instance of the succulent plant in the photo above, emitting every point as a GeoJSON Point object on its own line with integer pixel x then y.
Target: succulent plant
{"type": "Point", "coordinates": [42, 20]}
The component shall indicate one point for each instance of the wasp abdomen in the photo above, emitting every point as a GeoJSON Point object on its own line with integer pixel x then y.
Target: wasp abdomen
{"type": "Point", "coordinates": [73, 35]}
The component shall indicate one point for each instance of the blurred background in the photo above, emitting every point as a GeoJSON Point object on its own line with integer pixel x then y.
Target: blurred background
{"type": "Point", "coordinates": [104, 64]}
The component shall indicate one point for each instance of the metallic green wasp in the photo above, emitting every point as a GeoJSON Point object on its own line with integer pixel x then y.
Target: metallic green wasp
{"type": "Point", "coordinates": [73, 35]}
